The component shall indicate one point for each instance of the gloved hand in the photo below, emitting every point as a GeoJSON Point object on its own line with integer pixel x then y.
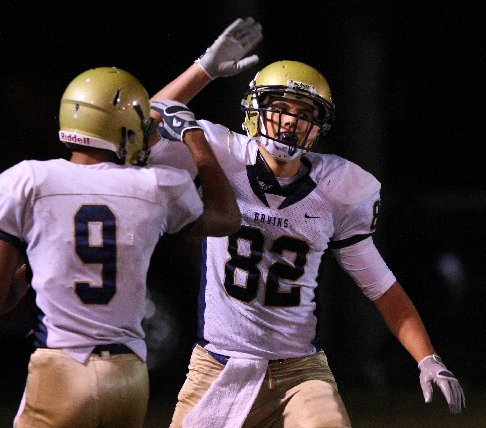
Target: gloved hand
{"type": "Point", "coordinates": [176, 119]}
{"type": "Point", "coordinates": [225, 56]}
{"type": "Point", "coordinates": [433, 371]}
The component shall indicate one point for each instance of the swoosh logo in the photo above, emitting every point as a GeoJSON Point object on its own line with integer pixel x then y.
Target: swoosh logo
{"type": "Point", "coordinates": [310, 216]}
{"type": "Point", "coordinates": [176, 122]}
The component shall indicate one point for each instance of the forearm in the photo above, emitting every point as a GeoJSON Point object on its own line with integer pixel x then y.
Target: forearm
{"type": "Point", "coordinates": [221, 214]}
{"type": "Point", "coordinates": [185, 86]}
{"type": "Point", "coordinates": [16, 291]}
{"type": "Point", "coordinates": [13, 284]}
{"type": "Point", "coordinates": [8, 301]}
{"type": "Point", "coordinates": [404, 322]}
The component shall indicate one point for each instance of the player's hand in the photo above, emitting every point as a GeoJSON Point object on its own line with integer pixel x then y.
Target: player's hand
{"type": "Point", "coordinates": [21, 281]}
{"type": "Point", "coordinates": [433, 371]}
{"type": "Point", "coordinates": [225, 56]}
{"type": "Point", "coordinates": [19, 287]}
{"type": "Point", "coordinates": [176, 119]}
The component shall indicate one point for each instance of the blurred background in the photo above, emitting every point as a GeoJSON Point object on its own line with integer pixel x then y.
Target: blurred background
{"type": "Point", "coordinates": [408, 84]}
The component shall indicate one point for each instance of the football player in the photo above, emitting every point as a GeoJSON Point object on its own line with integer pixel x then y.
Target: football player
{"type": "Point", "coordinates": [88, 228]}
{"type": "Point", "coordinates": [258, 361]}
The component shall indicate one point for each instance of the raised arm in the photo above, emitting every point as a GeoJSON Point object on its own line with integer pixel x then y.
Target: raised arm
{"type": "Point", "coordinates": [225, 57]}
{"type": "Point", "coordinates": [185, 86]}
{"type": "Point", "coordinates": [221, 215]}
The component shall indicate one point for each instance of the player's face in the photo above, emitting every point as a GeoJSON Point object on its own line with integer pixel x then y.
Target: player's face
{"type": "Point", "coordinates": [289, 121]}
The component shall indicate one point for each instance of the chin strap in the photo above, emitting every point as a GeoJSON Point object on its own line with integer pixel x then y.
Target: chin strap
{"type": "Point", "coordinates": [148, 126]}
{"type": "Point", "coordinates": [123, 146]}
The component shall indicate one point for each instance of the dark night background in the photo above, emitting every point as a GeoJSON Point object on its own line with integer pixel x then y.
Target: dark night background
{"type": "Point", "coordinates": [408, 84]}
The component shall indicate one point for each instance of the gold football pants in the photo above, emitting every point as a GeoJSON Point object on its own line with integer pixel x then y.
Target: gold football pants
{"type": "Point", "coordinates": [296, 393]}
{"type": "Point", "coordinates": [108, 391]}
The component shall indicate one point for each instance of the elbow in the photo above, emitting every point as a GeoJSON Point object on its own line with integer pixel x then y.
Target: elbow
{"type": "Point", "coordinates": [227, 220]}
{"type": "Point", "coordinates": [227, 225]}
{"type": "Point", "coordinates": [234, 223]}
{"type": "Point", "coordinates": [234, 220]}
{"type": "Point", "coordinates": [216, 224]}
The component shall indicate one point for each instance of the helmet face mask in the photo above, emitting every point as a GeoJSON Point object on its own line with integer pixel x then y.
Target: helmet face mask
{"type": "Point", "coordinates": [294, 83]}
{"type": "Point", "coordinates": [107, 108]}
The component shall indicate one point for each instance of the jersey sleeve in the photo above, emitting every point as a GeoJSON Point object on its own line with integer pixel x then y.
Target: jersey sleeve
{"type": "Point", "coordinates": [229, 147]}
{"type": "Point", "coordinates": [16, 190]}
{"type": "Point", "coordinates": [357, 224]}
{"type": "Point", "coordinates": [218, 136]}
{"type": "Point", "coordinates": [357, 201]}
{"type": "Point", "coordinates": [362, 262]}
{"type": "Point", "coordinates": [177, 154]}
{"type": "Point", "coordinates": [173, 153]}
{"type": "Point", "coordinates": [179, 195]}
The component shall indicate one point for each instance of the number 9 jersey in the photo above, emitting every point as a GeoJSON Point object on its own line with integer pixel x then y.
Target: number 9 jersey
{"type": "Point", "coordinates": [89, 232]}
{"type": "Point", "coordinates": [257, 294]}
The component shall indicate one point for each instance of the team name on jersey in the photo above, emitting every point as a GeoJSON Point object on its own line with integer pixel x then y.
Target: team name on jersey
{"type": "Point", "coordinates": [268, 219]}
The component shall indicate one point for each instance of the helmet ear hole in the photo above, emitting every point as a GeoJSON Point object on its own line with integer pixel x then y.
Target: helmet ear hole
{"type": "Point", "coordinates": [132, 137]}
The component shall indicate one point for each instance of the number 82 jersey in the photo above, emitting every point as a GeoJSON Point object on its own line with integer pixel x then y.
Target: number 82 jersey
{"type": "Point", "coordinates": [257, 295]}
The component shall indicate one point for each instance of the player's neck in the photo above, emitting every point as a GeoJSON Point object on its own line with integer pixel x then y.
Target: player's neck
{"type": "Point", "coordinates": [280, 168]}
{"type": "Point", "coordinates": [91, 158]}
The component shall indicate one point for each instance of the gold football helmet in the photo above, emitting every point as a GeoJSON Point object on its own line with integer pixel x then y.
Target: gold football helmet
{"type": "Point", "coordinates": [290, 80]}
{"type": "Point", "coordinates": [109, 109]}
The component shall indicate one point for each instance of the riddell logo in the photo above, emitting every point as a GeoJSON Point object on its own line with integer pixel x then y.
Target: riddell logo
{"type": "Point", "coordinates": [301, 86]}
{"type": "Point", "coordinates": [74, 138]}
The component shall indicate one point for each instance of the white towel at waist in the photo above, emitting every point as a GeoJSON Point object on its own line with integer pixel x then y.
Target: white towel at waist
{"type": "Point", "coordinates": [228, 401]}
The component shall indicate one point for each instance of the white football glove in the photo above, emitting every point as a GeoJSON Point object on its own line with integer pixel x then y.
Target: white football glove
{"type": "Point", "coordinates": [225, 56]}
{"type": "Point", "coordinates": [433, 371]}
{"type": "Point", "coordinates": [176, 119]}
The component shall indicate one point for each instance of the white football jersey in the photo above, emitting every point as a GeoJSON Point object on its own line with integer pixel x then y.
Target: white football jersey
{"type": "Point", "coordinates": [257, 295]}
{"type": "Point", "coordinates": [89, 232]}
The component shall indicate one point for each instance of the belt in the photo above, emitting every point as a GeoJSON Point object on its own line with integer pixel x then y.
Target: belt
{"type": "Point", "coordinates": [113, 349]}
{"type": "Point", "coordinates": [223, 359]}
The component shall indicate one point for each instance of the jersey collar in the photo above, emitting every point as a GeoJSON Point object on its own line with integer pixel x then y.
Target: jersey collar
{"type": "Point", "coordinates": [262, 180]}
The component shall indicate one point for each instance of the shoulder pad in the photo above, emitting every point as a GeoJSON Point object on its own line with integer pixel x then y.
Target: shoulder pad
{"type": "Point", "coordinates": [227, 145]}
{"type": "Point", "coordinates": [353, 184]}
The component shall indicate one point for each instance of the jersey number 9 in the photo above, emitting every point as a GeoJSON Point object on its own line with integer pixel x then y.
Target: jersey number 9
{"type": "Point", "coordinates": [104, 254]}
